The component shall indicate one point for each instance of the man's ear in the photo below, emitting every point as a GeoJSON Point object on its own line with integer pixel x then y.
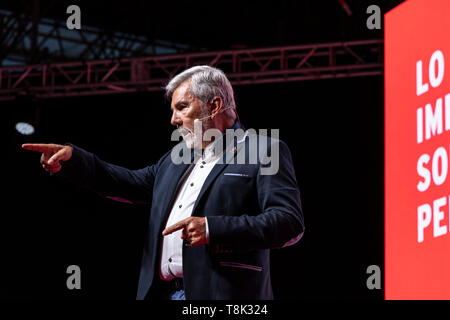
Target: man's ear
{"type": "Point", "coordinates": [216, 105]}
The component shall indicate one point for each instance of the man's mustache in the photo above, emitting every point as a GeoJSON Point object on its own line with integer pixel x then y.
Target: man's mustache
{"type": "Point", "coordinates": [184, 131]}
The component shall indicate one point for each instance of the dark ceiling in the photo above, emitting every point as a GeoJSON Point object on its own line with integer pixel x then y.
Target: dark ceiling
{"type": "Point", "coordinates": [221, 24]}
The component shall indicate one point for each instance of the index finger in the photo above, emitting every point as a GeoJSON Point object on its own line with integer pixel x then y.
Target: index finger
{"type": "Point", "coordinates": [40, 147]}
{"type": "Point", "coordinates": [177, 226]}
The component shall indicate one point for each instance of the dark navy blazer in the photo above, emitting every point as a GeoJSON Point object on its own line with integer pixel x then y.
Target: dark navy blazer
{"type": "Point", "coordinates": [248, 213]}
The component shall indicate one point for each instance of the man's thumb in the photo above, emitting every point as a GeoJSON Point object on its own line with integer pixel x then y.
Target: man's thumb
{"type": "Point", "coordinates": [56, 157]}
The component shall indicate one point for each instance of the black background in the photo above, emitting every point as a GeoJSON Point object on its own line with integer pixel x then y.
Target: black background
{"type": "Point", "coordinates": [334, 129]}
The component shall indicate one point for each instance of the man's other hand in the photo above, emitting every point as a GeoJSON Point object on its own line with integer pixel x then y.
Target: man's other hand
{"type": "Point", "coordinates": [194, 230]}
{"type": "Point", "coordinates": [52, 154]}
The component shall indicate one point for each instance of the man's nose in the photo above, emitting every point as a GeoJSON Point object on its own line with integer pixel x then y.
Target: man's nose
{"type": "Point", "coordinates": [175, 120]}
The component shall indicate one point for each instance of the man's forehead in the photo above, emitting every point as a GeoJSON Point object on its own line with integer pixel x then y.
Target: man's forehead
{"type": "Point", "coordinates": [182, 92]}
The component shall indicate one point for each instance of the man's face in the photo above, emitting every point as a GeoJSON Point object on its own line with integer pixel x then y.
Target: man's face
{"type": "Point", "coordinates": [185, 109]}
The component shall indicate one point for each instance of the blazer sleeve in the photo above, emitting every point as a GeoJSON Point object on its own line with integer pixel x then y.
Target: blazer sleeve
{"type": "Point", "coordinates": [87, 170]}
{"type": "Point", "coordinates": [280, 222]}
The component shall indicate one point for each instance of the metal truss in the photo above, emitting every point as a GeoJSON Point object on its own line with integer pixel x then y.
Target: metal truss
{"type": "Point", "coordinates": [26, 38]}
{"type": "Point", "coordinates": [244, 66]}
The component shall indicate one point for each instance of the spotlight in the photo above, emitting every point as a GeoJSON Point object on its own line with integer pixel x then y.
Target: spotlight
{"type": "Point", "coordinates": [24, 128]}
{"type": "Point", "coordinates": [26, 115]}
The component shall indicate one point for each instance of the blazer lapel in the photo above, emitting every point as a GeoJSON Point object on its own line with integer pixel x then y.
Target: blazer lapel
{"type": "Point", "coordinates": [178, 173]}
{"type": "Point", "coordinates": [218, 168]}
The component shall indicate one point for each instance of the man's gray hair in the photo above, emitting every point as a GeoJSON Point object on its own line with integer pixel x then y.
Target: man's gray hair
{"type": "Point", "coordinates": [206, 83]}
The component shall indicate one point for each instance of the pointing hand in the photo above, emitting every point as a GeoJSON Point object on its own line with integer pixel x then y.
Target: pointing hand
{"type": "Point", "coordinates": [194, 230]}
{"type": "Point", "coordinates": [52, 154]}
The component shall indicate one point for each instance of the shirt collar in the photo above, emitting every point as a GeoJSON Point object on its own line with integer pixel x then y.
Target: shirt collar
{"type": "Point", "coordinates": [209, 153]}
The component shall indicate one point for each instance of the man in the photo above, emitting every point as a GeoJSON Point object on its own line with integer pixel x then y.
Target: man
{"type": "Point", "coordinates": [213, 221]}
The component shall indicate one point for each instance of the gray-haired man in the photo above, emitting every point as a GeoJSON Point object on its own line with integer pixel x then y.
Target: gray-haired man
{"type": "Point", "coordinates": [213, 220]}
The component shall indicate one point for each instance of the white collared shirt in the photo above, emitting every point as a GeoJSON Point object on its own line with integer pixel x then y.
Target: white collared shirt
{"type": "Point", "coordinates": [171, 265]}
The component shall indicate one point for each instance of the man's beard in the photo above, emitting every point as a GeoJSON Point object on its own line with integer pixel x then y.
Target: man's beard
{"type": "Point", "coordinates": [188, 137]}
{"type": "Point", "coordinates": [194, 139]}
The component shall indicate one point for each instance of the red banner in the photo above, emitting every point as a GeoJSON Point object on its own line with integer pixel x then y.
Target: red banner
{"type": "Point", "coordinates": [417, 150]}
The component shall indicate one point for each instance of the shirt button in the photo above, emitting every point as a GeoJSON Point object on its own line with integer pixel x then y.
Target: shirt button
{"type": "Point", "coordinates": [203, 162]}
{"type": "Point", "coordinates": [170, 259]}
{"type": "Point", "coordinates": [180, 206]}
{"type": "Point", "coordinates": [201, 166]}
{"type": "Point", "coordinates": [192, 184]}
